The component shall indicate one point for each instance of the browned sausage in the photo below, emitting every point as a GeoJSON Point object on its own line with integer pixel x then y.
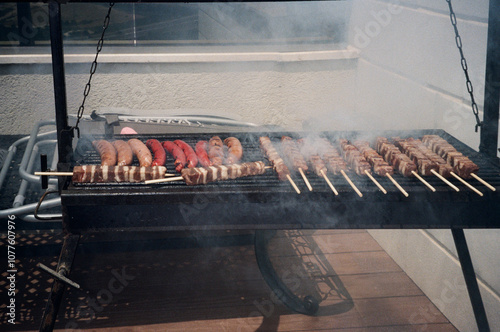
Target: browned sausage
{"type": "Point", "coordinates": [192, 159]}
{"type": "Point", "coordinates": [107, 152]}
{"type": "Point", "coordinates": [141, 151]}
{"type": "Point", "coordinates": [201, 152]}
{"type": "Point", "coordinates": [216, 151]}
{"type": "Point", "coordinates": [235, 150]}
{"type": "Point", "coordinates": [124, 153]}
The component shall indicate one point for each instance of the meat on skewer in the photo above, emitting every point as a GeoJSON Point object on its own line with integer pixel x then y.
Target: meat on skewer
{"type": "Point", "coordinates": [354, 158]}
{"type": "Point", "coordinates": [332, 158]}
{"type": "Point", "coordinates": [276, 161]}
{"type": "Point", "coordinates": [379, 165]}
{"type": "Point", "coordinates": [203, 175]}
{"type": "Point", "coordinates": [108, 174]}
{"type": "Point", "coordinates": [274, 158]}
{"type": "Point", "coordinates": [395, 157]}
{"type": "Point", "coordinates": [295, 158]}
{"type": "Point", "coordinates": [461, 164]}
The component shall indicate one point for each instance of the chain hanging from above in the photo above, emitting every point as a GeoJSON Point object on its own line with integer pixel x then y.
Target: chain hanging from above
{"type": "Point", "coordinates": [458, 41]}
{"type": "Point", "coordinates": [93, 68]}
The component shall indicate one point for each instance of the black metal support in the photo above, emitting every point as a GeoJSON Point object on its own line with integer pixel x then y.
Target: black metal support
{"type": "Point", "coordinates": [64, 132]}
{"type": "Point", "coordinates": [56, 295]}
{"type": "Point", "coordinates": [470, 279]}
{"type": "Point", "coordinates": [489, 128]}
{"type": "Point", "coordinates": [308, 306]}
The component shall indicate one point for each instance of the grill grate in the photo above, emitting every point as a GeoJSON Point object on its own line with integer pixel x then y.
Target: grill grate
{"type": "Point", "coordinates": [87, 155]}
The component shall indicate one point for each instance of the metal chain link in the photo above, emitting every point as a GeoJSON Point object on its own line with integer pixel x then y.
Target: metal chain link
{"type": "Point", "coordinates": [93, 68]}
{"type": "Point", "coordinates": [458, 41]}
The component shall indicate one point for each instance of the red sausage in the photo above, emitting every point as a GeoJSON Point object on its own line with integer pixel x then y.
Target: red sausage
{"type": "Point", "coordinates": [201, 153]}
{"type": "Point", "coordinates": [177, 153]}
{"type": "Point", "coordinates": [158, 151]}
{"type": "Point", "coordinates": [189, 152]}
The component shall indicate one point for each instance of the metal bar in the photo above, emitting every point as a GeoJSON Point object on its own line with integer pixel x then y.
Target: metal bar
{"type": "Point", "coordinates": [64, 132]}
{"type": "Point", "coordinates": [470, 279]}
{"type": "Point", "coordinates": [63, 268]}
{"type": "Point", "coordinates": [489, 128]}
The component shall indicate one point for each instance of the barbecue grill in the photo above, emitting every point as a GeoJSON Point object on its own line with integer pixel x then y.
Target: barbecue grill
{"type": "Point", "coordinates": [263, 203]}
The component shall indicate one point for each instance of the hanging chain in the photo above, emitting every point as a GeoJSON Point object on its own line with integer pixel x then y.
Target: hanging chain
{"type": "Point", "coordinates": [93, 68]}
{"type": "Point", "coordinates": [468, 82]}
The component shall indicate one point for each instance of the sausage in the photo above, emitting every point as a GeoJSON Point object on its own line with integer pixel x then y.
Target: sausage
{"type": "Point", "coordinates": [216, 151]}
{"type": "Point", "coordinates": [107, 152]}
{"type": "Point", "coordinates": [124, 153]}
{"type": "Point", "coordinates": [160, 156]}
{"type": "Point", "coordinates": [180, 158]}
{"type": "Point", "coordinates": [201, 153]}
{"type": "Point", "coordinates": [141, 151]}
{"type": "Point", "coordinates": [192, 159]}
{"type": "Point", "coordinates": [235, 150]}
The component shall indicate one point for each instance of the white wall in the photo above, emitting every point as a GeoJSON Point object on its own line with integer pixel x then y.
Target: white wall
{"type": "Point", "coordinates": [409, 76]}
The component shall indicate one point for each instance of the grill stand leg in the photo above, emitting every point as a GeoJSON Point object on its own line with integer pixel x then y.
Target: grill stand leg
{"type": "Point", "coordinates": [309, 305]}
{"type": "Point", "coordinates": [56, 294]}
{"type": "Point", "coordinates": [470, 279]}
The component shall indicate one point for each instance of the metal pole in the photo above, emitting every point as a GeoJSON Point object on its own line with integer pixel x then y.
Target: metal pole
{"type": "Point", "coordinates": [470, 279]}
{"type": "Point", "coordinates": [489, 128]}
{"type": "Point", "coordinates": [64, 132]}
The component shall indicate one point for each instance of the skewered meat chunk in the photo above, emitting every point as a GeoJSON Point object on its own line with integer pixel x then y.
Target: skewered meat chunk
{"type": "Point", "coordinates": [274, 158]}
{"type": "Point", "coordinates": [204, 175]}
{"type": "Point", "coordinates": [107, 174]}
{"type": "Point", "coordinates": [392, 155]}
{"type": "Point", "coordinates": [292, 153]}
{"type": "Point", "coordinates": [380, 166]}
{"type": "Point", "coordinates": [461, 164]}
{"type": "Point", "coordinates": [354, 158]}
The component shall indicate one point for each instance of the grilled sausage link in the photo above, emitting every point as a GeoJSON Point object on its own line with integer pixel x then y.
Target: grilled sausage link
{"type": "Point", "coordinates": [160, 156]}
{"type": "Point", "coordinates": [176, 152]}
{"type": "Point", "coordinates": [191, 157]}
{"type": "Point", "coordinates": [216, 151]}
{"type": "Point", "coordinates": [141, 151]}
{"type": "Point", "coordinates": [124, 153]}
{"type": "Point", "coordinates": [201, 152]}
{"type": "Point", "coordinates": [107, 152]}
{"type": "Point", "coordinates": [235, 150]}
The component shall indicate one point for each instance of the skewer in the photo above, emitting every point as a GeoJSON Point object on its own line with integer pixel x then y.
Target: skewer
{"type": "Point", "coordinates": [305, 179]}
{"type": "Point", "coordinates": [55, 173]}
{"type": "Point", "coordinates": [397, 185]}
{"type": "Point", "coordinates": [329, 183]}
{"type": "Point", "coordinates": [382, 189]}
{"type": "Point", "coordinates": [176, 178]}
{"type": "Point", "coordinates": [483, 182]}
{"type": "Point", "coordinates": [444, 180]}
{"type": "Point", "coordinates": [467, 184]}
{"type": "Point", "coordinates": [423, 181]}
{"type": "Point", "coordinates": [352, 184]}
{"type": "Point", "coordinates": [293, 184]}
{"type": "Point", "coordinates": [71, 174]}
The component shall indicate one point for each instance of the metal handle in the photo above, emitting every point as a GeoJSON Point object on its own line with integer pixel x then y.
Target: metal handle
{"type": "Point", "coordinates": [59, 276]}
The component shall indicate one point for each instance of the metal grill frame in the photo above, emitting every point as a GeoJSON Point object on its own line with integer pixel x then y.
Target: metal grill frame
{"type": "Point", "coordinates": [488, 147]}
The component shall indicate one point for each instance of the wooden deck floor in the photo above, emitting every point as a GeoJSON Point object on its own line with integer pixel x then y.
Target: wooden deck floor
{"type": "Point", "coordinates": [149, 282]}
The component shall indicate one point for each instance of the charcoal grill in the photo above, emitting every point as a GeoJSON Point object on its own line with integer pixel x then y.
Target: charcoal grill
{"type": "Point", "coordinates": [263, 203]}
